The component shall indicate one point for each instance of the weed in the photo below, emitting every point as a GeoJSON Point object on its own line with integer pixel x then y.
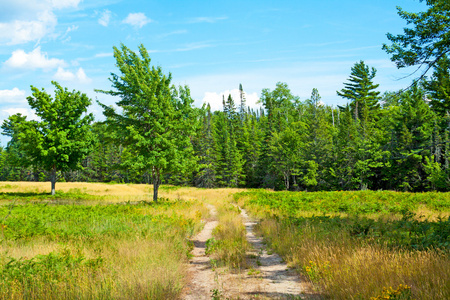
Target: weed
{"type": "Point", "coordinates": [216, 294]}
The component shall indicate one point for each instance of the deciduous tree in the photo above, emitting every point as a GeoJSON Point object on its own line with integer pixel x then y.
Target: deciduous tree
{"type": "Point", "coordinates": [155, 118]}
{"type": "Point", "coordinates": [61, 138]}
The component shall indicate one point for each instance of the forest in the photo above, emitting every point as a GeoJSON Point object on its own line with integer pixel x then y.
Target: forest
{"type": "Point", "coordinates": [396, 140]}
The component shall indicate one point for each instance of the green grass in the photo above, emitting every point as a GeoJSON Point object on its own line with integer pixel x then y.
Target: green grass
{"type": "Point", "coordinates": [57, 249]}
{"type": "Point", "coordinates": [356, 202]}
{"type": "Point", "coordinates": [359, 245]}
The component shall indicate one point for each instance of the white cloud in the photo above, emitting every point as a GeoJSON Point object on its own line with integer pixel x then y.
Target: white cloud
{"type": "Point", "coordinates": [60, 4]}
{"type": "Point", "coordinates": [81, 76]}
{"type": "Point", "coordinates": [65, 37]}
{"type": "Point", "coordinates": [23, 31]}
{"type": "Point", "coordinates": [24, 21]}
{"type": "Point", "coordinates": [71, 28]}
{"type": "Point", "coordinates": [65, 75]}
{"type": "Point", "coordinates": [106, 54]}
{"type": "Point", "coordinates": [12, 96]}
{"type": "Point", "coordinates": [215, 99]}
{"type": "Point", "coordinates": [105, 18]}
{"type": "Point", "coordinates": [33, 60]}
{"type": "Point", "coordinates": [176, 32]}
{"type": "Point", "coordinates": [207, 19]}
{"type": "Point", "coordinates": [18, 110]}
{"type": "Point", "coordinates": [136, 19]}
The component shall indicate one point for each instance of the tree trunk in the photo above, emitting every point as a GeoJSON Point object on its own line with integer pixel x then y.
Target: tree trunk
{"type": "Point", "coordinates": [156, 183]}
{"type": "Point", "coordinates": [53, 179]}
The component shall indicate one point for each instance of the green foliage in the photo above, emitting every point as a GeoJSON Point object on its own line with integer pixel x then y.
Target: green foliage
{"type": "Point", "coordinates": [66, 222]}
{"type": "Point", "coordinates": [438, 87]}
{"type": "Point", "coordinates": [50, 268]}
{"type": "Point", "coordinates": [61, 139]}
{"type": "Point", "coordinates": [408, 232]}
{"type": "Point", "coordinates": [358, 202]}
{"type": "Point", "coordinates": [360, 90]}
{"type": "Point", "coordinates": [402, 292]}
{"type": "Point", "coordinates": [155, 122]}
{"type": "Point", "coordinates": [429, 39]}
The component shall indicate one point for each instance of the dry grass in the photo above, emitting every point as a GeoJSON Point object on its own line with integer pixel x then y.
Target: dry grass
{"type": "Point", "coordinates": [230, 245]}
{"type": "Point", "coordinates": [344, 269]}
{"type": "Point", "coordinates": [134, 266]}
{"type": "Point", "coordinates": [141, 269]}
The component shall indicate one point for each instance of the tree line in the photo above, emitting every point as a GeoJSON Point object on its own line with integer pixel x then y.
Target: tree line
{"type": "Point", "coordinates": [398, 140]}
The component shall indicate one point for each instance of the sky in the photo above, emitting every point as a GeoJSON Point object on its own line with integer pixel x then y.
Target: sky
{"type": "Point", "coordinates": [211, 46]}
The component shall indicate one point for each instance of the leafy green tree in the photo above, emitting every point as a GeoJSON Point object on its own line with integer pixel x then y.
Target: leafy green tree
{"type": "Point", "coordinates": [427, 41]}
{"type": "Point", "coordinates": [412, 125]}
{"type": "Point", "coordinates": [204, 147]}
{"type": "Point", "coordinates": [361, 92]}
{"type": "Point", "coordinates": [103, 164]}
{"type": "Point", "coordinates": [155, 121]}
{"type": "Point", "coordinates": [279, 112]}
{"type": "Point", "coordinates": [62, 137]}
{"type": "Point", "coordinates": [438, 87]}
{"type": "Point", "coordinates": [320, 130]}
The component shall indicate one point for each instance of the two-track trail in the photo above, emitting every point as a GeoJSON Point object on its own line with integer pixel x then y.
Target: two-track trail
{"type": "Point", "coordinates": [202, 276]}
{"type": "Point", "coordinates": [267, 276]}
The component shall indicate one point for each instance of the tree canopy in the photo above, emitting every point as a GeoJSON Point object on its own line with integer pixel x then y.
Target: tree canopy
{"type": "Point", "coordinates": [61, 138]}
{"type": "Point", "coordinates": [155, 121]}
{"type": "Point", "coordinates": [427, 41]}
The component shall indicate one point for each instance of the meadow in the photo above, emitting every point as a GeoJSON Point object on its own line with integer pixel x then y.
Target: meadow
{"type": "Point", "coordinates": [94, 241]}
{"type": "Point", "coordinates": [360, 245]}
{"type": "Point", "coordinates": [110, 241]}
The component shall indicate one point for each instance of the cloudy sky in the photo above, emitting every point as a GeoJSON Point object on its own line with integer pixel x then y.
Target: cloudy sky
{"type": "Point", "coordinates": [211, 46]}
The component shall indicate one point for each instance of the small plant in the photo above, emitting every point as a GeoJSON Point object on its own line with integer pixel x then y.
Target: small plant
{"type": "Point", "coordinates": [403, 292]}
{"type": "Point", "coordinates": [210, 246]}
{"type": "Point", "coordinates": [253, 272]}
{"type": "Point", "coordinates": [216, 294]}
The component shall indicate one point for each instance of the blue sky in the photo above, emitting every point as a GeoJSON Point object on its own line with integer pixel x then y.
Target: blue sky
{"type": "Point", "coordinates": [211, 46]}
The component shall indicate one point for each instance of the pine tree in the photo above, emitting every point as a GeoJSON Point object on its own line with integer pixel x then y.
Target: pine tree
{"type": "Point", "coordinates": [360, 90]}
{"type": "Point", "coordinates": [205, 151]}
{"type": "Point", "coordinates": [412, 126]}
{"type": "Point", "coordinates": [438, 87]}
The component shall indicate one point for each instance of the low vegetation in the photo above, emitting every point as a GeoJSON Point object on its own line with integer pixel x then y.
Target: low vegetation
{"type": "Point", "coordinates": [229, 244]}
{"type": "Point", "coordinates": [60, 247]}
{"type": "Point", "coordinates": [360, 244]}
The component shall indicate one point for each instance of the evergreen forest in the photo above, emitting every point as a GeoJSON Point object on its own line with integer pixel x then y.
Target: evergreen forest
{"type": "Point", "coordinates": [396, 140]}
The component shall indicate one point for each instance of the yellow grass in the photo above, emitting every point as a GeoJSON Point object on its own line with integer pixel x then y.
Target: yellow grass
{"type": "Point", "coordinates": [133, 268]}
{"type": "Point", "coordinates": [344, 269]}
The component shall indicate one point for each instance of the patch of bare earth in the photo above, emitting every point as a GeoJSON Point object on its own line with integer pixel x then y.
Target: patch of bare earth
{"type": "Point", "coordinates": [202, 281]}
{"type": "Point", "coordinates": [266, 275]}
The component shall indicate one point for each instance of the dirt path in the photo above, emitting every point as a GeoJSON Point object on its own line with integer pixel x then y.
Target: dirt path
{"type": "Point", "coordinates": [267, 276]}
{"type": "Point", "coordinates": [202, 277]}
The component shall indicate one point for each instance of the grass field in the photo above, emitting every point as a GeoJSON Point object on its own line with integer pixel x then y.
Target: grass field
{"type": "Point", "coordinates": [94, 241]}
{"type": "Point", "coordinates": [110, 241]}
{"type": "Point", "coordinates": [360, 245]}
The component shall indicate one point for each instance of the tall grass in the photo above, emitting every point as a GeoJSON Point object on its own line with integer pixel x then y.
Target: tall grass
{"type": "Point", "coordinates": [229, 244]}
{"type": "Point", "coordinates": [57, 249]}
{"type": "Point", "coordinates": [371, 254]}
{"type": "Point", "coordinates": [345, 268]}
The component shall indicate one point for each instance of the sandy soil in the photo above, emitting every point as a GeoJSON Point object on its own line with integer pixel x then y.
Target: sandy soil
{"type": "Point", "coordinates": [202, 281]}
{"type": "Point", "coordinates": [267, 276]}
